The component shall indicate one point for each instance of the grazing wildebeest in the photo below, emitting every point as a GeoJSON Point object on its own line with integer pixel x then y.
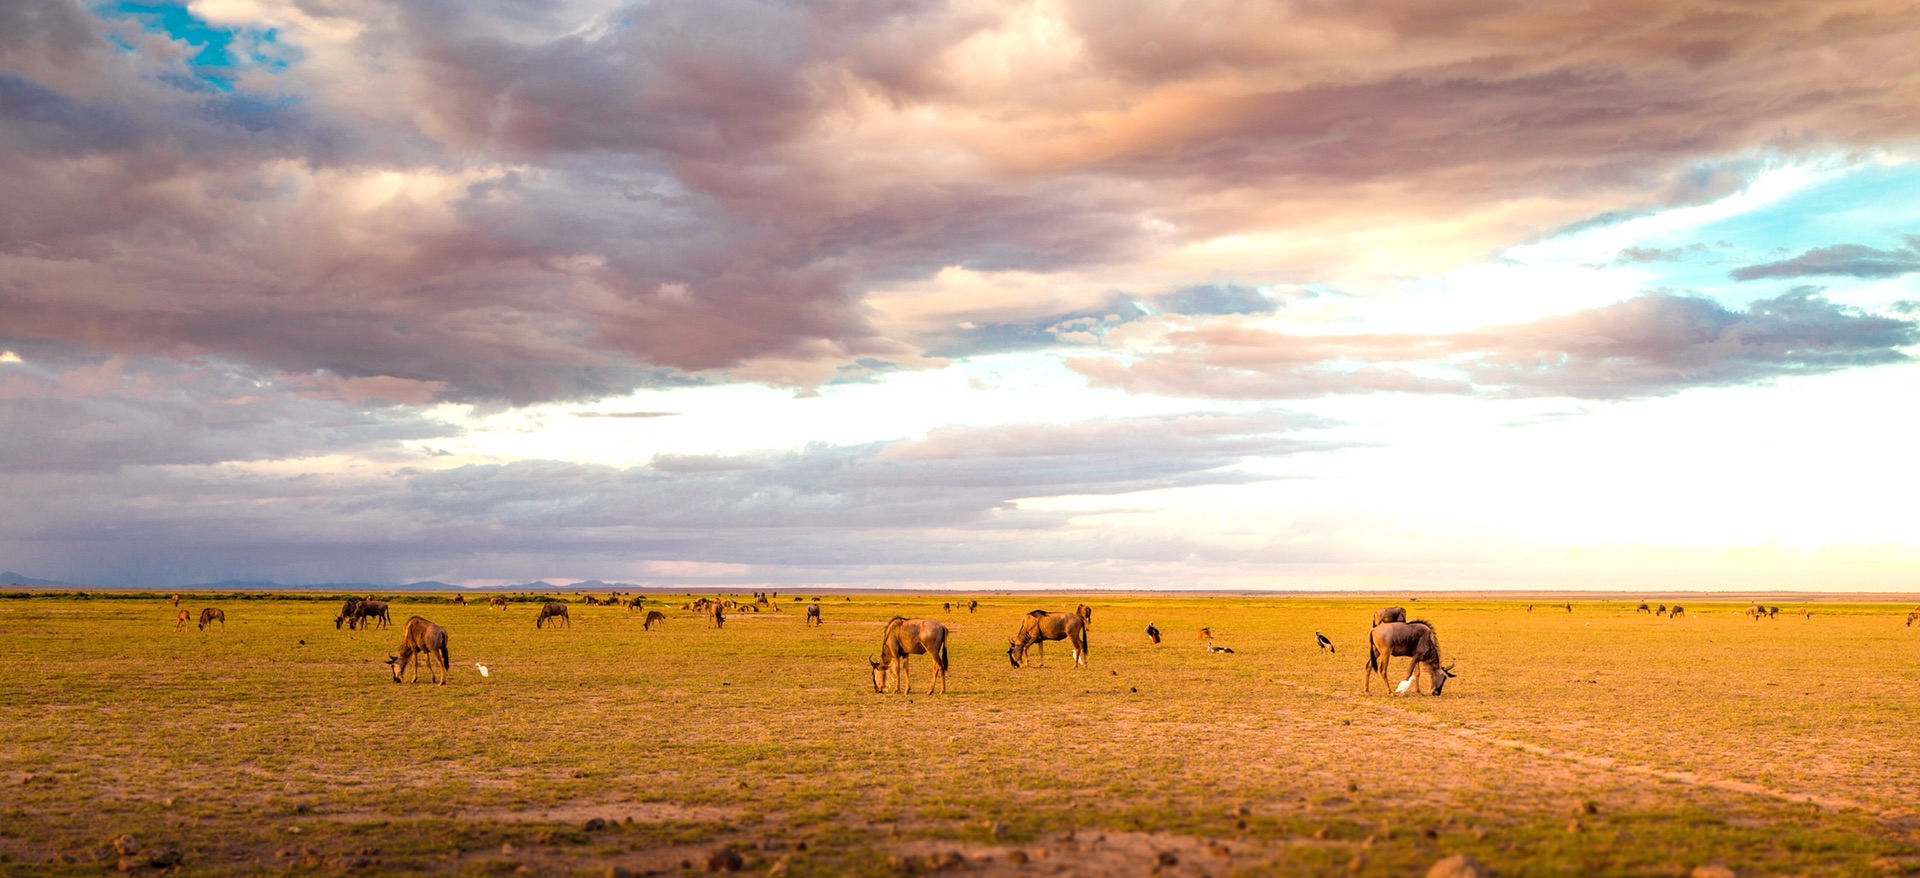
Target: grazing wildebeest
{"type": "Point", "coordinates": [1325, 644]}
{"type": "Point", "coordinates": [904, 637]}
{"type": "Point", "coordinates": [1676, 612]}
{"type": "Point", "coordinates": [497, 602]}
{"type": "Point", "coordinates": [1414, 640]}
{"type": "Point", "coordinates": [1911, 618]}
{"type": "Point", "coordinates": [636, 603]}
{"type": "Point", "coordinates": [182, 618]}
{"type": "Point", "coordinates": [209, 615]}
{"type": "Point", "coordinates": [460, 599]}
{"type": "Point", "coordinates": [1643, 608]}
{"type": "Point", "coordinates": [1662, 611]}
{"type": "Point", "coordinates": [349, 615]}
{"type": "Point", "coordinates": [1754, 613]}
{"type": "Point", "coordinates": [1041, 626]}
{"type": "Point", "coordinates": [421, 641]}
{"type": "Point", "coordinates": [1153, 633]}
{"type": "Point", "coordinates": [972, 605]}
{"type": "Point", "coordinates": [553, 610]}
{"type": "Point", "coordinates": [813, 615]}
{"type": "Point", "coordinates": [1389, 614]}
{"type": "Point", "coordinates": [652, 617]}
{"type": "Point", "coordinates": [1773, 612]}
{"type": "Point", "coordinates": [716, 615]}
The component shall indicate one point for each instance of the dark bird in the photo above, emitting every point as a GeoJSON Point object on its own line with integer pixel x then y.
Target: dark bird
{"type": "Point", "coordinates": [1212, 648]}
{"type": "Point", "coordinates": [1153, 633]}
{"type": "Point", "coordinates": [1325, 644]}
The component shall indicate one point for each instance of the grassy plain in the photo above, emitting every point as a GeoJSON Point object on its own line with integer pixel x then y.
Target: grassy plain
{"type": "Point", "coordinates": [1592, 742]}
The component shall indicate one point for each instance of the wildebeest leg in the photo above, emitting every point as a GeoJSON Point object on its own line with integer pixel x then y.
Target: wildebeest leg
{"type": "Point", "coordinates": [906, 677]}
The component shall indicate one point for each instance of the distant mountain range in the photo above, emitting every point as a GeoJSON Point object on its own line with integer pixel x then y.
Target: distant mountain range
{"type": "Point", "coordinates": [11, 578]}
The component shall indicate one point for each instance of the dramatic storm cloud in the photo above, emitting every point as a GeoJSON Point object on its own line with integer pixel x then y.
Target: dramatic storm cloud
{"type": "Point", "coordinates": [428, 283]}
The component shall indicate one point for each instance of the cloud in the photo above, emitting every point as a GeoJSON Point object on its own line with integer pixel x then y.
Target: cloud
{"type": "Point", "coordinates": [513, 203]}
{"type": "Point", "coordinates": [1650, 345]}
{"type": "Point", "coordinates": [1090, 325]}
{"type": "Point", "coordinates": [1848, 260]}
{"type": "Point", "coordinates": [947, 497]}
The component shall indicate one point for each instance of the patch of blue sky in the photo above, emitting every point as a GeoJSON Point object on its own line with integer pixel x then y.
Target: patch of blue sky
{"type": "Point", "coordinates": [221, 53]}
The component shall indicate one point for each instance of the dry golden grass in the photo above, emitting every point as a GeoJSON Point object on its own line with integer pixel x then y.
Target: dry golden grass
{"type": "Point", "coordinates": [1598, 741]}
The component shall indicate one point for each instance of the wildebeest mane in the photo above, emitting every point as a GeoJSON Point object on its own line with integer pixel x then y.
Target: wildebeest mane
{"type": "Point", "coordinates": [1423, 622]}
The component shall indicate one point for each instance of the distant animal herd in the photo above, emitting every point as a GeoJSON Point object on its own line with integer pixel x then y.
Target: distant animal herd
{"type": "Point", "coordinates": [1391, 635]}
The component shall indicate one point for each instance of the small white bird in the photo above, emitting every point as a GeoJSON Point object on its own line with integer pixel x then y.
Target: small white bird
{"type": "Point", "coordinates": [1404, 686]}
{"type": "Point", "coordinates": [483, 668]}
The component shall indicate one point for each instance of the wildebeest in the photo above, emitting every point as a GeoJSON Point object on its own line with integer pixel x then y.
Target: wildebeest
{"type": "Point", "coordinates": [1569, 606]}
{"type": "Point", "coordinates": [1040, 626]}
{"type": "Point", "coordinates": [421, 641]}
{"type": "Point", "coordinates": [1662, 611]}
{"type": "Point", "coordinates": [904, 637]}
{"type": "Point", "coordinates": [1911, 618]}
{"type": "Point", "coordinates": [636, 603]}
{"type": "Point", "coordinates": [1414, 640]}
{"type": "Point", "coordinates": [460, 599]}
{"type": "Point", "coordinates": [176, 600]}
{"type": "Point", "coordinates": [972, 605]}
{"type": "Point", "coordinates": [946, 607]}
{"type": "Point", "coordinates": [1643, 608]}
{"type": "Point", "coordinates": [1389, 614]}
{"type": "Point", "coordinates": [182, 618]}
{"type": "Point", "coordinates": [1773, 612]}
{"type": "Point", "coordinates": [370, 611]}
{"type": "Point", "coordinates": [497, 602]}
{"type": "Point", "coordinates": [1153, 633]}
{"type": "Point", "coordinates": [813, 615]}
{"type": "Point", "coordinates": [1754, 612]}
{"type": "Point", "coordinates": [1676, 612]}
{"type": "Point", "coordinates": [716, 615]}
{"type": "Point", "coordinates": [212, 614]}
{"type": "Point", "coordinates": [349, 614]}
{"type": "Point", "coordinates": [652, 617]}
{"type": "Point", "coordinates": [553, 610]}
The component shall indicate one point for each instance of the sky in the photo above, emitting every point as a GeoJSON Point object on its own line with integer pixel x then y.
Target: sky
{"type": "Point", "coordinates": [1166, 295]}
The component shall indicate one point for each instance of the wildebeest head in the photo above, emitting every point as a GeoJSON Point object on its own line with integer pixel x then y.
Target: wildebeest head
{"type": "Point", "coordinates": [393, 664]}
{"type": "Point", "coordinates": [879, 674]}
{"type": "Point", "coordinates": [1013, 652]}
{"type": "Point", "coordinates": [1441, 676]}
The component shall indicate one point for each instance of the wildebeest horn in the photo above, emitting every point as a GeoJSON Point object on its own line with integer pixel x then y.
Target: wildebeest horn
{"type": "Point", "coordinates": [1449, 670]}
{"type": "Point", "coordinates": [873, 660]}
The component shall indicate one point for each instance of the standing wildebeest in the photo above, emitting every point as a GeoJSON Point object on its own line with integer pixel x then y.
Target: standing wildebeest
{"type": "Point", "coordinates": [182, 618]}
{"type": "Point", "coordinates": [636, 603]}
{"type": "Point", "coordinates": [210, 614]}
{"type": "Point", "coordinates": [1643, 608]}
{"type": "Point", "coordinates": [904, 637]}
{"type": "Point", "coordinates": [421, 641]}
{"type": "Point", "coordinates": [1773, 612]}
{"type": "Point", "coordinates": [1662, 611]}
{"type": "Point", "coordinates": [972, 605]}
{"type": "Point", "coordinates": [1676, 612]}
{"type": "Point", "coordinates": [553, 610]}
{"type": "Point", "coordinates": [1754, 612]}
{"type": "Point", "coordinates": [1911, 618]}
{"type": "Point", "coordinates": [1389, 614]}
{"type": "Point", "coordinates": [1414, 640]}
{"type": "Point", "coordinates": [349, 615]}
{"type": "Point", "coordinates": [813, 615]}
{"type": "Point", "coordinates": [460, 599]}
{"type": "Point", "coordinates": [497, 602]}
{"type": "Point", "coordinates": [716, 616]}
{"type": "Point", "coordinates": [652, 617]}
{"type": "Point", "coordinates": [176, 600]}
{"type": "Point", "coordinates": [1041, 626]}
{"type": "Point", "coordinates": [370, 611]}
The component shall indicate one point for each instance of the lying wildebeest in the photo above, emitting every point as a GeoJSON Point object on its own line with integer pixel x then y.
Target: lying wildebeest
{"type": "Point", "coordinates": [813, 615]}
{"type": "Point", "coordinates": [1389, 614]}
{"type": "Point", "coordinates": [1414, 640]}
{"type": "Point", "coordinates": [211, 614]}
{"type": "Point", "coordinates": [421, 641]}
{"type": "Point", "coordinates": [553, 610]}
{"type": "Point", "coordinates": [1676, 612]}
{"type": "Point", "coordinates": [972, 605]}
{"type": "Point", "coordinates": [1643, 608]}
{"type": "Point", "coordinates": [182, 618]}
{"type": "Point", "coordinates": [716, 615]}
{"type": "Point", "coordinates": [1041, 626]}
{"type": "Point", "coordinates": [652, 617]}
{"type": "Point", "coordinates": [904, 637]}
{"type": "Point", "coordinates": [497, 602]}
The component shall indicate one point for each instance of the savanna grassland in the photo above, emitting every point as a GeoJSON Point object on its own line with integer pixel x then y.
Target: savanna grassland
{"type": "Point", "coordinates": [1588, 742]}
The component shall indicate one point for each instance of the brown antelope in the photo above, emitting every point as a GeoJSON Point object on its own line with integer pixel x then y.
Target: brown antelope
{"type": "Point", "coordinates": [1804, 614]}
{"type": "Point", "coordinates": [1041, 626]}
{"type": "Point", "coordinates": [1389, 614]}
{"type": "Point", "coordinates": [421, 641]}
{"type": "Point", "coordinates": [182, 618]}
{"type": "Point", "coordinates": [904, 637]}
{"type": "Point", "coordinates": [813, 615]}
{"type": "Point", "coordinates": [553, 610]}
{"type": "Point", "coordinates": [716, 615]}
{"type": "Point", "coordinates": [176, 600]}
{"type": "Point", "coordinates": [1414, 640]}
{"type": "Point", "coordinates": [497, 602]}
{"type": "Point", "coordinates": [652, 617]}
{"type": "Point", "coordinates": [212, 614]}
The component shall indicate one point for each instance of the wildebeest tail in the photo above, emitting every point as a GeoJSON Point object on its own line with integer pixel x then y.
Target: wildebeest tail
{"type": "Point", "coordinates": [943, 656]}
